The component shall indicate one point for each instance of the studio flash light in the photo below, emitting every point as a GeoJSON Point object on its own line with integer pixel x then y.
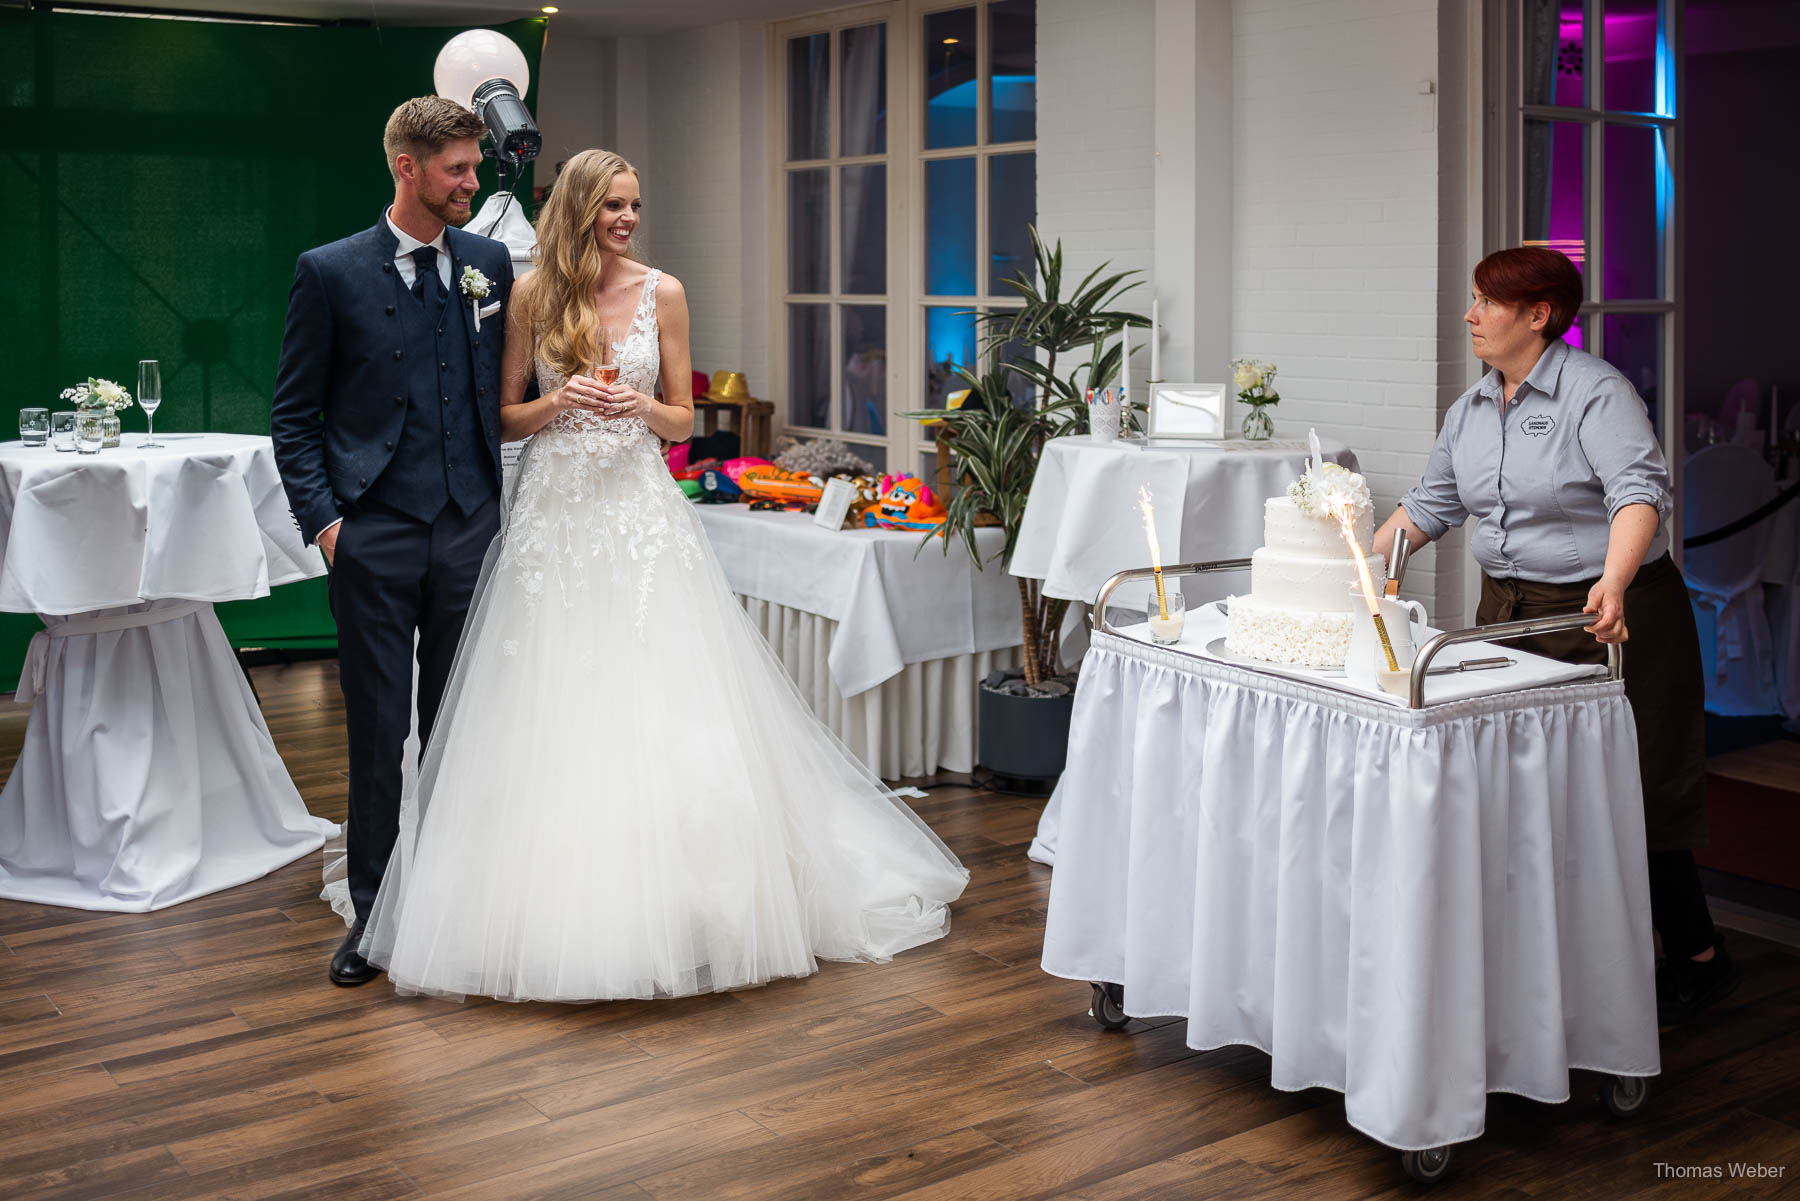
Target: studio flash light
{"type": "Point", "coordinates": [482, 70]}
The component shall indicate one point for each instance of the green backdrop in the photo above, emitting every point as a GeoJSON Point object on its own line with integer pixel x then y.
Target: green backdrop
{"type": "Point", "coordinates": [159, 179]}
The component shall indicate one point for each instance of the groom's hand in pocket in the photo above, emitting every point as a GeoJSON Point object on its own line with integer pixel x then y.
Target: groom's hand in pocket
{"type": "Point", "coordinates": [327, 541]}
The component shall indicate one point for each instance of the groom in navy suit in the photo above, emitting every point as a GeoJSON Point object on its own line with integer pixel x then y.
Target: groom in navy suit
{"type": "Point", "coordinates": [386, 424]}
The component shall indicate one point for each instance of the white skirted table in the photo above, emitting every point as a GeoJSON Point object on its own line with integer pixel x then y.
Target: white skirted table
{"type": "Point", "coordinates": [1082, 522]}
{"type": "Point", "coordinates": [147, 777]}
{"type": "Point", "coordinates": [1413, 907]}
{"type": "Point", "coordinates": [887, 642]}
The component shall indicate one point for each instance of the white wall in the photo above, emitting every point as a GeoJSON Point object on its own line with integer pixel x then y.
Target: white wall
{"type": "Point", "coordinates": [1332, 222]}
{"type": "Point", "coordinates": [575, 98]}
{"type": "Point", "coordinates": [703, 187]}
{"type": "Point", "coordinates": [1096, 140]}
{"type": "Point", "coordinates": [1335, 162]}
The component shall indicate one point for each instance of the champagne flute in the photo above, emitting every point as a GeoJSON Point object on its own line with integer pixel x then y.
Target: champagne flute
{"type": "Point", "coordinates": [607, 373]}
{"type": "Point", "coordinates": [149, 396]}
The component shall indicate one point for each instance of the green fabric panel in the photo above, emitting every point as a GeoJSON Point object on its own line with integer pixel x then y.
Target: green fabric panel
{"type": "Point", "coordinates": [161, 176]}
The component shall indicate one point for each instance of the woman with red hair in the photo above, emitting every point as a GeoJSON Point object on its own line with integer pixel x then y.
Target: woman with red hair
{"type": "Point", "coordinates": [1552, 453]}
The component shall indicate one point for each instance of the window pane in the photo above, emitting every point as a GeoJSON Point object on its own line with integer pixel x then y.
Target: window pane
{"type": "Point", "coordinates": [809, 78]}
{"type": "Point", "coordinates": [1634, 346]}
{"type": "Point", "coordinates": [809, 230]}
{"type": "Point", "coordinates": [1636, 197]}
{"type": "Point", "coordinates": [1017, 385]}
{"type": "Point", "coordinates": [809, 365]}
{"type": "Point", "coordinates": [1555, 53]}
{"type": "Point", "coordinates": [1012, 207]}
{"type": "Point", "coordinates": [1635, 59]}
{"type": "Point", "coordinates": [862, 193]}
{"type": "Point", "coordinates": [1012, 79]}
{"type": "Point", "coordinates": [950, 78]}
{"type": "Point", "coordinates": [872, 453]}
{"type": "Point", "coordinates": [1556, 187]}
{"type": "Point", "coordinates": [865, 368]}
{"type": "Point", "coordinates": [949, 342]}
{"type": "Point", "coordinates": [950, 227]}
{"type": "Point", "coordinates": [863, 55]}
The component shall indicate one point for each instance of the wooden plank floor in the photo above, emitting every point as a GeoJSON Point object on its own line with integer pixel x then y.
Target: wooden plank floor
{"type": "Point", "coordinates": [199, 1052]}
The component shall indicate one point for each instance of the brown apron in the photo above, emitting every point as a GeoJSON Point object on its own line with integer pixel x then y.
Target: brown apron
{"type": "Point", "coordinates": [1663, 682]}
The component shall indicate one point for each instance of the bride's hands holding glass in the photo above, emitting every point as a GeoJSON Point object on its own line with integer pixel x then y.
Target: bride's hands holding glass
{"type": "Point", "coordinates": [582, 394]}
{"type": "Point", "coordinates": [617, 402]}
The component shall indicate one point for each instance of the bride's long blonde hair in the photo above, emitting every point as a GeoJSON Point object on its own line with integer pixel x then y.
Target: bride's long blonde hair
{"type": "Point", "coordinates": [561, 307]}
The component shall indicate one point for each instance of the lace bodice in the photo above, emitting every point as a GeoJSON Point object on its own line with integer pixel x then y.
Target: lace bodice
{"type": "Point", "coordinates": [594, 495]}
{"type": "Point", "coordinates": [639, 358]}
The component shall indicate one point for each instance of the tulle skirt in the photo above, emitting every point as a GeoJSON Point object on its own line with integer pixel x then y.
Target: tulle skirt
{"type": "Point", "coordinates": [625, 795]}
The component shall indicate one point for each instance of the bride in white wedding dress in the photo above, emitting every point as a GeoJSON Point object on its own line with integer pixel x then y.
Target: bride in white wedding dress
{"type": "Point", "coordinates": [625, 796]}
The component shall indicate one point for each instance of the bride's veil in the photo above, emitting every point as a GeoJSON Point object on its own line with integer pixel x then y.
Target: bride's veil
{"type": "Point", "coordinates": [416, 773]}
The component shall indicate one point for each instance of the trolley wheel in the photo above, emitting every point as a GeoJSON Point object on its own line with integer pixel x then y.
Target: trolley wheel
{"type": "Point", "coordinates": [1428, 1166]}
{"type": "Point", "coordinates": [1109, 1005]}
{"type": "Point", "coordinates": [1623, 1096]}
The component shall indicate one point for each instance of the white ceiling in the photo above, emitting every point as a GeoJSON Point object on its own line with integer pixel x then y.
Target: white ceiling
{"type": "Point", "coordinates": [588, 18]}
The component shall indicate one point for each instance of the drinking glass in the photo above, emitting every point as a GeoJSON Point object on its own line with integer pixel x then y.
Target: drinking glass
{"type": "Point", "coordinates": [149, 396]}
{"type": "Point", "coordinates": [90, 431]}
{"type": "Point", "coordinates": [34, 426]}
{"type": "Point", "coordinates": [1166, 630]}
{"type": "Point", "coordinates": [62, 430]}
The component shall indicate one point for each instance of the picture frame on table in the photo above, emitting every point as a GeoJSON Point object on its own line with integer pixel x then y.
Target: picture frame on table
{"type": "Point", "coordinates": [1194, 412]}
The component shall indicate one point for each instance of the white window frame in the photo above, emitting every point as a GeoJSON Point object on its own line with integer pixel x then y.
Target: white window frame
{"type": "Point", "coordinates": [1507, 163]}
{"type": "Point", "coordinates": [906, 443]}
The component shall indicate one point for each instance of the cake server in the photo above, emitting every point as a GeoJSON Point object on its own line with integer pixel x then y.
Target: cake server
{"type": "Point", "coordinates": [1396, 572]}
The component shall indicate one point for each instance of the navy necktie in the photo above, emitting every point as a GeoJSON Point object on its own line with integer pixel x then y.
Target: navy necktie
{"type": "Point", "coordinates": [426, 284]}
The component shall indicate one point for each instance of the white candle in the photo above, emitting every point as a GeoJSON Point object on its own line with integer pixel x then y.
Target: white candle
{"type": "Point", "coordinates": [1124, 366]}
{"type": "Point", "coordinates": [1155, 340]}
{"type": "Point", "coordinates": [1165, 630]}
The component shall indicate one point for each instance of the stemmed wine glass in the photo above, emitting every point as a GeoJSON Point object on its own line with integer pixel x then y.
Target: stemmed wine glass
{"type": "Point", "coordinates": [607, 373]}
{"type": "Point", "coordinates": [149, 396]}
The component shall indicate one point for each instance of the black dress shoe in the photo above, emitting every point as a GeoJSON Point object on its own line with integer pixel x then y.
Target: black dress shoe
{"type": "Point", "coordinates": [1684, 988]}
{"type": "Point", "coordinates": [348, 967]}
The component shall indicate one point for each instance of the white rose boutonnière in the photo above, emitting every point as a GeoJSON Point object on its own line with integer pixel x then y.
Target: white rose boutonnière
{"type": "Point", "coordinates": [475, 286]}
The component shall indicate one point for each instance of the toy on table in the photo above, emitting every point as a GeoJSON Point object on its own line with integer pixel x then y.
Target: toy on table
{"type": "Point", "coordinates": [717, 488]}
{"type": "Point", "coordinates": [763, 481]}
{"type": "Point", "coordinates": [906, 504]}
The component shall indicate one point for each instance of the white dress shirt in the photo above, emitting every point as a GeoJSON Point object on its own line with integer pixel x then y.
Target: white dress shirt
{"type": "Point", "coordinates": [403, 259]}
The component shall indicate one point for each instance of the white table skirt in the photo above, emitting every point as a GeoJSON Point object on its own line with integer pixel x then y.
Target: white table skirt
{"type": "Point", "coordinates": [1415, 908]}
{"type": "Point", "coordinates": [913, 724]}
{"type": "Point", "coordinates": [1082, 524]}
{"type": "Point", "coordinates": [893, 603]}
{"type": "Point", "coordinates": [147, 777]}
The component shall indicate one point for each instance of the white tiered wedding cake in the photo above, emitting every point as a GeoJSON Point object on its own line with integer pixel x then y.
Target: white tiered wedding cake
{"type": "Point", "coordinates": [1300, 605]}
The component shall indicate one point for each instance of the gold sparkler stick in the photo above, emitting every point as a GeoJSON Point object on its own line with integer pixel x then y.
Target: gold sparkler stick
{"type": "Point", "coordinates": [1162, 600]}
{"type": "Point", "coordinates": [1342, 512]}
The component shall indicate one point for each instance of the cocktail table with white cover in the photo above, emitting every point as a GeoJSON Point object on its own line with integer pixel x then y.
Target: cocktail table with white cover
{"type": "Point", "coordinates": [1413, 907]}
{"type": "Point", "coordinates": [147, 776]}
{"type": "Point", "coordinates": [1082, 524]}
{"type": "Point", "coordinates": [886, 641]}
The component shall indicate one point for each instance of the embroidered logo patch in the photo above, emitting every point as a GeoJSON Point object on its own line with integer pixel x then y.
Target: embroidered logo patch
{"type": "Point", "coordinates": [1538, 424]}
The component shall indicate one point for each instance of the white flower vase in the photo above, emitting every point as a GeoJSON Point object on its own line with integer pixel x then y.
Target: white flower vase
{"type": "Point", "coordinates": [109, 425]}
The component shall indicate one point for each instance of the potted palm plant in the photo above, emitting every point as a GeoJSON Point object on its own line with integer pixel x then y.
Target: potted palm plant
{"type": "Point", "coordinates": [1057, 345]}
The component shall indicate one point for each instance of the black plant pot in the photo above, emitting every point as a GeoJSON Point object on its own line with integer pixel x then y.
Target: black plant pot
{"type": "Point", "coordinates": [1025, 737]}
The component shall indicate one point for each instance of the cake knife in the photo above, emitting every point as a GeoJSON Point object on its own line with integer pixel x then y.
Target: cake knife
{"type": "Point", "coordinates": [1396, 565]}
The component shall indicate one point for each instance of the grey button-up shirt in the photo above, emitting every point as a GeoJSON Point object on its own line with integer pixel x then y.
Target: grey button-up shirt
{"type": "Point", "coordinates": [1544, 477]}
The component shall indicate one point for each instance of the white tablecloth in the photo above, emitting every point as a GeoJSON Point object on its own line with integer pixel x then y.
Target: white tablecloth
{"type": "Point", "coordinates": [1413, 907]}
{"type": "Point", "coordinates": [893, 603]}
{"type": "Point", "coordinates": [1082, 524]}
{"type": "Point", "coordinates": [147, 776]}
